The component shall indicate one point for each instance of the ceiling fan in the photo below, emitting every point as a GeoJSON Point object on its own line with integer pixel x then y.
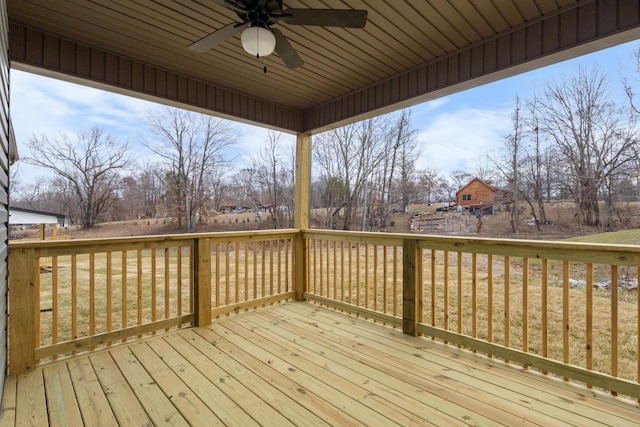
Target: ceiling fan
{"type": "Point", "coordinates": [259, 39]}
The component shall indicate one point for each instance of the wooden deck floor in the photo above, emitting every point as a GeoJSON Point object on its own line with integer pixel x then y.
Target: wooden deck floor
{"type": "Point", "coordinates": [298, 364]}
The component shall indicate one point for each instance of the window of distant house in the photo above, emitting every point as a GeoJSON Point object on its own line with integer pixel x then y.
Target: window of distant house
{"type": "Point", "coordinates": [466, 197]}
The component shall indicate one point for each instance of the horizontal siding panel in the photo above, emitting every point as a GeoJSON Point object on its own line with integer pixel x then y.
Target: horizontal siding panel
{"type": "Point", "coordinates": [4, 201]}
{"type": "Point", "coordinates": [95, 65]}
{"type": "Point", "coordinates": [629, 11]}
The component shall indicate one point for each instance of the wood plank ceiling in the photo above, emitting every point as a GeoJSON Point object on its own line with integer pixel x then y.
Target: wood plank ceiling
{"type": "Point", "coordinates": [409, 51]}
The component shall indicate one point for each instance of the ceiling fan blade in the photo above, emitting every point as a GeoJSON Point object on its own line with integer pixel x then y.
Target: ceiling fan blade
{"type": "Point", "coordinates": [286, 52]}
{"type": "Point", "coordinates": [230, 4]}
{"type": "Point", "coordinates": [217, 37]}
{"type": "Point", "coordinates": [326, 17]}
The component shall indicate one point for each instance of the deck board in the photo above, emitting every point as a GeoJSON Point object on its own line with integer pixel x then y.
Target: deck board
{"type": "Point", "coordinates": [298, 364]}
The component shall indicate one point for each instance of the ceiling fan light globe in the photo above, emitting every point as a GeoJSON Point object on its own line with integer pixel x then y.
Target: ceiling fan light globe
{"type": "Point", "coordinates": [258, 41]}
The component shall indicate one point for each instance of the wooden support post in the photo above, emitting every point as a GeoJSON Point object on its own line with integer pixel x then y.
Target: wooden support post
{"type": "Point", "coordinates": [411, 295]}
{"type": "Point", "coordinates": [300, 266]}
{"type": "Point", "coordinates": [22, 310]}
{"type": "Point", "coordinates": [42, 234]}
{"type": "Point", "coordinates": [202, 282]}
{"type": "Point", "coordinates": [301, 211]}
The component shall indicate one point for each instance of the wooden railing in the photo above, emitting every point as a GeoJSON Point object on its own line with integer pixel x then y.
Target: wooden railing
{"type": "Point", "coordinates": [566, 309]}
{"type": "Point", "coordinates": [97, 292]}
{"type": "Point", "coordinates": [561, 308]}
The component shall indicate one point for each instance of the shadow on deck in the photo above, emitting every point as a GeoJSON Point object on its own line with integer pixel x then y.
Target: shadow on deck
{"type": "Point", "coordinates": [298, 364]}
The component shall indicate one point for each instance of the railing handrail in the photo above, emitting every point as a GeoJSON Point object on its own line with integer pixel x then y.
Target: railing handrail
{"type": "Point", "coordinates": [100, 241]}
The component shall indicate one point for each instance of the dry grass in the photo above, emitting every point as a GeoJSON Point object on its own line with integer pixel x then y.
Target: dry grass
{"type": "Point", "coordinates": [158, 285]}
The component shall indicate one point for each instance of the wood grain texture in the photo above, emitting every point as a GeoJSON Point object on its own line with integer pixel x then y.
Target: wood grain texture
{"type": "Point", "coordinates": [299, 364]}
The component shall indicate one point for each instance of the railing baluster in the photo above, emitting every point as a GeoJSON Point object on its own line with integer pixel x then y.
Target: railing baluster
{"type": "Point", "coordinates": [38, 314]}
{"type": "Point", "coordinates": [366, 275]}
{"type": "Point", "coordinates": [589, 319]}
{"type": "Point", "coordinates": [335, 270]}
{"type": "Point", "coordinates": [246, 271]}
{"type": "Point", "coordinates": [236, 275]}
{"type": "Point", "coordinates": [460, 307]}
{"type": "Point", "coordinates": [445, 284]}
{"type": "Point", "coordinates": [255, 269]}
{"type": "Point", "coordinates": [54, 299]}
{"type": "Point", "coordinates": [375, 278]}
{"type": "Point", "coordinates": [279, 264]}
{"type": "Point", "coordinates": [507, 301]}
{"type": "Point", "coordinates": [342, 271]}
{"type": "Point", "coordinates": [178, 280]}
{"type": "Point", "coordinates": [109, 291]}
{"type": "Point", "coordinates": [227, 273]}
{"type": "Point", "coordinates": [217, 276]}
{"type": "Point", "coordinates": [167, 275]}
{"type": "Point", "coordinates": [321, 263]}
{"type": "Point", "coordinates": [544, 308]}
{"type": "Point", "coordinates": [434, 286]}
{"type": "Point", "coordinates": [154, 268]}
{"type": "Point", "coordinates": [74, 297]}
{"type": "Point", "coordinates": [358, 274]}
{"type": "Point", "coordinates": [92, 293]}
{"type": "Point", "coordinates": [263, 267]}
{"type": "Point", "coordinates": [474, 295]}
{"type": "Point", "coordinates": [565, 313]}
{"type": "Point", "coordinates": [614, 321]}
{"type": "Point", "coordinates": [124, 289]}
{"type": "Point", "coordinates": [490, 298]}
{"type": "Point", "coordinates": [525, 304]}
{"type": "Point", "coordinates": [395, 281]}
{"type": "Point", "coordinates": [385, 296]}
{"type": "Point", "coordinates": [350, 270]}
{"type": "Point", "coordinates": [139, 290]}
{"type": "Point", "coordinates": [271, 276]}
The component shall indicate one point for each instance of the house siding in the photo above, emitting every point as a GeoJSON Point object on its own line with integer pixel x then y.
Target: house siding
{"type": "Point", "coordinates": [4, 184]}
{"type": "Point", "coordinates": [481, 194]}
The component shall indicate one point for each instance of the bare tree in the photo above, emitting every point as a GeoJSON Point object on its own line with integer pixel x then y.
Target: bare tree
{"type": "Point", "coordinates": [351, 154]}
{"type": "Point", "coordinates": [431, 183]}
{"type": "Point", "coordinates": [273, 171]}
{"type": "Point", "coordinates": [192, 147]}
{"type": "Point", "coordinates": [407, 154]}
{"type": "Point", "coordinates": [594, 136]}
{"type": "Point", "coordinates": [458, 179]}
{"type": "Point", "coordinates": [514, 147]}
{"type": "Point", "coordinates": [89, 163]}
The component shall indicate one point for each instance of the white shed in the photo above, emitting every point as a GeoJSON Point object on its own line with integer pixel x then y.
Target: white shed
{"type": "Point", "coordinates": [29, 216]}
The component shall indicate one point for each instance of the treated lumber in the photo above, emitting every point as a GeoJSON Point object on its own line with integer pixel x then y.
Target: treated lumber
{"type": "Point", "coordinates": [92, 400]}
{"type": "Point", "coordinates": [126, 407]}
{"type": "Point", "coordinates": [62, 405]}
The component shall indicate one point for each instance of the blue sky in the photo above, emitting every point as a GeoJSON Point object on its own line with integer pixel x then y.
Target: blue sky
{"type": "Point", "coordinates": [454, 132]}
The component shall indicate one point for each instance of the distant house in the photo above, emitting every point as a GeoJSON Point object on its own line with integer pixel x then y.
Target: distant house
{"type": "Point", "coordinates": [30, 216]}
{"type": "Point", "coordinates": [476, 193]}
{"type": "Point", "coordinates": [21, 216]}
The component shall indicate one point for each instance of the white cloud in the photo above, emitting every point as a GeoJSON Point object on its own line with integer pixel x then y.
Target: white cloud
{"type": "Point", "coordinates": [459, 139]}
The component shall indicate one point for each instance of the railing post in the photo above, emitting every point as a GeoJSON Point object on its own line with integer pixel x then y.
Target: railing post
{"type": "Point", "coordinates": [202, 282]}
{"type": "Point", "coordinates": [300, 266]}
{"type": "Point", "coordinates": [22, 310]}
{"type": "Point", "coordinates": [411, 287]}
{"type": "Point", "coordinates": [301, 212]}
